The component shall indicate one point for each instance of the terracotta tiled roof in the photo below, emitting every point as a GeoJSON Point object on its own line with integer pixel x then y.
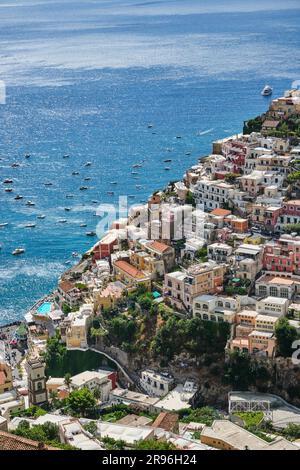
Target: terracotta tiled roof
{"type": "Point", "coordinates": [12, 442]}
{"type": "Point", "coordinates": [158, 246]}
{"type": "Point", "coordinates": [166, 421]}
{"type": "Point", "coordinates": [2, 377]}
{"type": "Point", "coordinates": [129, 269]}
{"type": "Point", "coordinates": [66, 286]}
{"type": "Point", "coordinates": [221, 212]}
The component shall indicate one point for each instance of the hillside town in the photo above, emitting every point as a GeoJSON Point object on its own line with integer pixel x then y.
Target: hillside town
{"type": "Point", "coordinates": [191, 296]}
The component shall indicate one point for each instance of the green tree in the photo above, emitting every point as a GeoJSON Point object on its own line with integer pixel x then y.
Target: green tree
{"type": "Point", "coordinates": [81, 401]}
{"type": "Point", "coordinates": [112, 444]}
{"type": "Point", "coordinates": [55, 351]}
{"type": "Point", "coordinates": [286, 334]}
{"type": "Point", "coordinates": [68, 380]}
{"type": "Point", "coordinates": [154, 444]}
{"type": "Point", "coordinates": [91, 427]}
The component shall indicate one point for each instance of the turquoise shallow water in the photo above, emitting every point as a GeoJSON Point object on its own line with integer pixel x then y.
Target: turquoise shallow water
{"type": "Point", "coordinates": [85, 79]}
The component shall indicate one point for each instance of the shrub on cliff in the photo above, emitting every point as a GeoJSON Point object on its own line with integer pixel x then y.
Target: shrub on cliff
{"type": "Point", "coordinates": [286, 334]}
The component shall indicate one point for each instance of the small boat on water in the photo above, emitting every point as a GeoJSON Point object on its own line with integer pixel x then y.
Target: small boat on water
{"type": "Point", "coordinates": [67, 209]}
{"type": "Point", "coordinates": [48, 183]}
{"type": "Point", "coordinates": [95, 202]}
{"type": "Point", "coordinates": [62, 221]}
{"type": "Point", "coordinates": [87, 178]}
{"type": "Point", "coordinates": [29, 225]}
{"type": "Point", "coordinates": [75, 173]}
{"type": "Point", "coordinates": [15, 165]}
{"type": "Point", "coordinates": [88, 164]}
{"type": "Point", "coordinates": [69, 196]}
{"type": "Point", "coordinates": [42, 216]}
{"type": "Point", "coordinates": [188, 153]}
{"type": "Point", "coordinates": [131, 196]}
{"type": "Point", "coordinates": [7, 181]}
{"type": "Point", "coordinates": [83, 188]}
{"type": "Point", "coordinates": [267, 91]}
{"type": "Point", "coordinates": [138, 186]}
{"type": "Point", "coordinates": [30, 203]}
{"type": "Point", "coordinates": [168, 160]}
{"type": "Point", "coordinates": [167, 168]}
{"type": "Point", "coordinates": [18, 197]}
{"type": "Point", "coordinates": [137, 165]}
{"type": "Point", "coordinates": [75, 254]}
{"type": "Point", "coordinates": [110, 193]}
{"type": "Point", "coordinates": [134, 173]}
{"type": "Point", "coordinates": [18, 251]}
{"type": "Point", "coordinates": [4, 224]}
{"type": "Point", "coordinates": [27, 155]}
{"type": "Point", "coordinates": [113, 182]}
{"type": "Point", "coordinates": [8, 190]}
{"type": "Point", "coordinates": [178, 137]}
{"type": "Point", "coordinates": [90, 234]}
{"type": "Point", "coordinates": [66, 156]}
{"type": "Point", "coordinates": [83, 225]}
{"type": "Point", "coordinates": [150, 126]}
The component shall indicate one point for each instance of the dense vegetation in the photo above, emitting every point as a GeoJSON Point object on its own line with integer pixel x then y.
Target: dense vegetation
{"type": "Point", "coordinates": [46, 433]}
{"type": "Point", "coordinates": [205, 415]}
{"type": "Point", "coordinates": [189, 335]}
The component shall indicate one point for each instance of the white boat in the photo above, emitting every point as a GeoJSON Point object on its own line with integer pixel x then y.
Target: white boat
{"type": "Point", "coordinates": [88, 164]}
{"type": "Point", "coordinates": [30, 203]}
{"type": "Point", "coordinates": [267, 91]}
{"type": "Point", "coordinates": [113, 182]}
{"type": "Point", "coordinates": [90, 234]}
{"type": "Point", "coordinates": [62, 221]}
{"type": "Point", "coordinates": [29, 225]}
{"type": "Point", "coordinates": [18, 251]}
{"type": "Point", "coordinates": [5, 224]}
{"type": "Point", "coordinates": [67, 209]}
{"type": "Point", "coordinates": [8, 181]}
{"type": "Point", "coordinates": [83, 225]}
{"type": "Point", "coordinates": [42, 216]}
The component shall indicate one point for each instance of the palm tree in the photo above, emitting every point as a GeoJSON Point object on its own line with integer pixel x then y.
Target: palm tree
{"type": "Point", "coordinates": [68, 380]}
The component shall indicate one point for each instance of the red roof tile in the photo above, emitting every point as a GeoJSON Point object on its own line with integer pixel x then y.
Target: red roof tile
{"type": "Point", "coordinates": [129, 269]}
{"type": "Point", "coordinates": [158, 246]}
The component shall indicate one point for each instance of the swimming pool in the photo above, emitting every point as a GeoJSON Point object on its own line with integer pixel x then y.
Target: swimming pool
{"type": "Point", "coordinates": [45, 308]}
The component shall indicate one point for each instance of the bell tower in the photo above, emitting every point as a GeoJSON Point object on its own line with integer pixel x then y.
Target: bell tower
{"type": "Point", "coordinates": [37, 392]}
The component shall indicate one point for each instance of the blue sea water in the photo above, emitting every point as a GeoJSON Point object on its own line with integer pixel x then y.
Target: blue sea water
{"type": "Point", "coordinates": [86, 79]}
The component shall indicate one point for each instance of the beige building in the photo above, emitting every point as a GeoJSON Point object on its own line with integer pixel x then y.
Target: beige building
{"type": "Point", "coordinates": [225, 435]}
{"type": "Point", "coordinates": [181, 287]}
{"type": "Point", "coordinates": [216, 308]}
{"type": "Point", "coordinates": [77, 330]}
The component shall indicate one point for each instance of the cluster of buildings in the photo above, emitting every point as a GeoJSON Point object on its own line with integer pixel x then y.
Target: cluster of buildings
{"type": "Point", "coordinates": [212, 246]}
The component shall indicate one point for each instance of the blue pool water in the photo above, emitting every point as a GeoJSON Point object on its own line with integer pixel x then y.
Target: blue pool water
{"type": "Point", "coordinates": [86, 78]}
{"type": "Point", "coordinates": [45, 308]}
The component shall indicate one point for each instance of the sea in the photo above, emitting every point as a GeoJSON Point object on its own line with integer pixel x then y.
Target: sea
{"type": "Point", "coordinates": [115, 83]}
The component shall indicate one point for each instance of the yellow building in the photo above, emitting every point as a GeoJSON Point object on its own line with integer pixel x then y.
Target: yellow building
{"type": "Point", "coordinates": [110, 295]}
{"type": "Point", "coordinates": [6, 383]}
{"type": "Point", "coordinates": [130, 275]}
{"type": "Point", "coordinates": [77, 331]}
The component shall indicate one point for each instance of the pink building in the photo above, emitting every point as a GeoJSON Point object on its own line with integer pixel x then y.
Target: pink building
{"type": "Point", "coordinates": [235, 153]}
{"type": "Point", "coordinates": [283, 255]}
{"type": "Point", "coordinates": [291, 208]}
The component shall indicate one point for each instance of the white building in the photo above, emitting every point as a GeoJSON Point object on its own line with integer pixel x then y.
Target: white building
{"type": "Point", "coordinates": [156, 384]}
{"type": "Point", "coordinates": [212, 194]}
{"type": "Point", "coordinates": [274, 306]}
{"type": "Point", "coordinates": [216, 308]}
{"type": "Point", "coordinates": [93, 380]}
